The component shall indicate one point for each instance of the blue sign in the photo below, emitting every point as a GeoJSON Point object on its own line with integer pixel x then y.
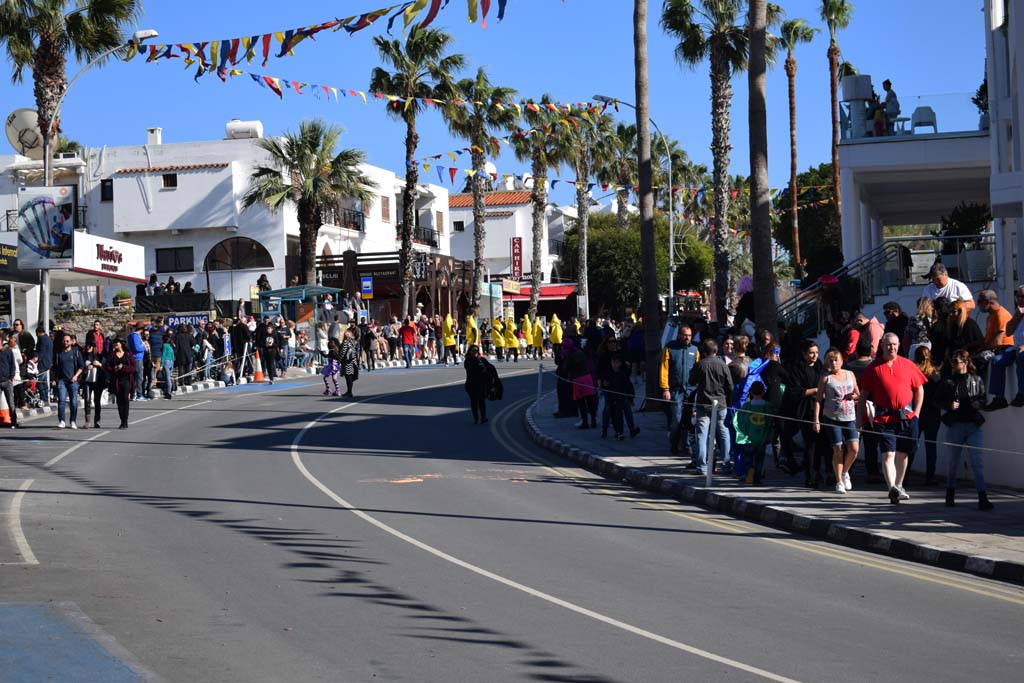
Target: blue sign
{"type": "Point", "coordinates": [194, 319]}
{"type": "Point", "coordinates": [496, 290]}
{"type": "Point", "coordinates": [367, 286]}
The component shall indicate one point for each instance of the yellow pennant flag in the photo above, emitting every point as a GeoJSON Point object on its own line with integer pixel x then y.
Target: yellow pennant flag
{"type": "Point", "coordinates": [412, 11]}
{"type": "Point", "coordinates": [470, 172]}
{"type": "Point", "coordinates": [214, 47]}
{"type": "Point", "coordinates": [455, 159]}
{"type": "Point", "coordinates": [473, 11]}
{"type": "Point", "coordinates": [235, 72]}
{"type": "Point", "coordinates": [519, 109]}
{"type": "Point", "coordinates": [408, 102]}
{"type": "Point", "coordinates": [426, 168]}
{"type": "Point", "coordinates": [477, 149]}
{"type": "Point", "coordinates": [362, 94]}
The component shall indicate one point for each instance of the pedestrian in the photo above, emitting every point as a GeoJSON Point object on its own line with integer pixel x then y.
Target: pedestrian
{"type": "Point", "coordinates": [712, 381]}
{"type": "Point", "coordinates": [68, 368]}
{"type": "Point", "coordinates": [538, 338]}
{"type": "Point", "coordinates": [479, 378]}
{"type": "Point", "coordinates": [835, 414]}
{"type": "Point", "coordinates": [555, 335]}
{"type": "Point", "coordinates": [184, 355]}
{"type": "Point", "coordinates": [1010, 356]}
{"type": "Point", "coordinates": [754, 428]}
{"type": "Point", "coordinates": [407, 335]}
{"type": "Point", "coordinates": [678, 359]}
{"type": "Point", "coordinates": [942, 285]}
{"type": "Point", "coordinates": [896, 322]}
{"type": "Point", "coordinates": [802, 379]}
{"type": "Point", "coordinates": [918, 327]}
{"type": "Point", "coordinates": [580, 371]}
{"type": "Point", "coordinates": [526, 331]}
{"type": "Point", "coordinates": [138, 351]}
{"type": "Point", "coordinates": [95, 382]}
{"type": "Point", "coordinates": [931, 417]}
{"type": "Point", "coordinates": [44, 351]}
{"type": "Point", "coordinates": [349, 361]}
{"type": "Point", "coordinates": [167, 362]}
{"type": "Point", "coordinates": [511, 340]}
{"type": "Point", "coordinates": [963, 395]}
{"type": "Point", "coordinates": [121, 374]}
{"type": "Point", "coordinates": [332, 366]}
{"type": "Point", "coordinates": [895, 386]}
{"type": "Point", "coordinates": [472, 331]}
{"type": "Point", "coordinates": [449, 341]}
{"type": "Point", "coordinates": [619, 394]}
{"type": "Point", "coordinates": [368, 342]}
{"type": "Point", "coordinates": [8, 370]}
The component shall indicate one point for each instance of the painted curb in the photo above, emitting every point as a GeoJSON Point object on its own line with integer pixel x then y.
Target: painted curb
{"type": "Point", "coordinates": [762, 513]}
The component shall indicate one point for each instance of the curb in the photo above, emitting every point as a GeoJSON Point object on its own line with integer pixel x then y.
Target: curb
{"type": "Point", "coordinates": [780, 518]}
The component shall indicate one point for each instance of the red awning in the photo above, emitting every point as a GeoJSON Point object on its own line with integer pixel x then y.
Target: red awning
{"type": "Point", "coordinates": [547, 293]}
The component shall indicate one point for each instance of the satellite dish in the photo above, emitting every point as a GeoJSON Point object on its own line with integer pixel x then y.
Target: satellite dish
{"type": "Point", "coordinates": [24, 134]}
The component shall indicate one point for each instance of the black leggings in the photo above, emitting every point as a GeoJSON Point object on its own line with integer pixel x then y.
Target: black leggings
{"type": "Point", "coordinates": [123, 397]}
{"type": "Point", "coordinates": [478, 404]}
{"type": "Point", "coordinates": [92, 395]}
{"type": "Point", "coordinates": [349, 381]}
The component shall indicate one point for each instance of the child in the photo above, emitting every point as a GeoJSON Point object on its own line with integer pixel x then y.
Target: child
{"type": "Point", "coordinates": [754, 424]}
{"type": "Point", "coordinates": [619, 394]}
{"type": "Point", "coordinates": [331, 368]}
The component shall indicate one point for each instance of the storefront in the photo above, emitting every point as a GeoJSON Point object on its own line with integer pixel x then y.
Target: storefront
{"type": "Point", "coordinates": [101, 270]}
{"type": "Point", "coordinates": [19, 290]}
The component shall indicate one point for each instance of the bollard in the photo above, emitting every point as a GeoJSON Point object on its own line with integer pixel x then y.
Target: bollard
{"type": "Point", "coordinates": [540, 381]}
{"type": "Point", "coordinates": [712, 428]}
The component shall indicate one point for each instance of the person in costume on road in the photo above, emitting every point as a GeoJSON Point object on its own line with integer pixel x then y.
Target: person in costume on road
{"type": "Point", "coordinates": [555, 335]}
{"type": "Point", "coordinates": [332, 366]}
{"type": "Point", "coordinates": [498, 338]}
{"type": "Point", "coordinates": [538, 339]}
{"type": "Point", "coordinates": [511, 340]}
{"type": "Point", "coordinates": [449, 339]}
{"type": "Point", "coordinates": [472, 331]}
{"type": "Point", "coordinates": [349, 361]}
{"type": "Point", "coordinates": [526, 327]}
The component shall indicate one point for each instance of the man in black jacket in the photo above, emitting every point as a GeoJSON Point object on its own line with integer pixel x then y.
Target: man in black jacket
{"type": "Point", "coordinates": [713, 382]}
{"type": "Point", "coordinates": [8, 369]}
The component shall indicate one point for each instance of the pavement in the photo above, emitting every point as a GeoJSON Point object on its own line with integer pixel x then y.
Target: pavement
{"type": "Point", "coordinates": [921, 529]}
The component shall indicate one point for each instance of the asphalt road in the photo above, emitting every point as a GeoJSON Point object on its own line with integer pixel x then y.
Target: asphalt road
{"type": "Point", "coordinates": [274, 534]}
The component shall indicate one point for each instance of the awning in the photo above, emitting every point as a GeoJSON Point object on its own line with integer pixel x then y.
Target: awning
{"type": "Point", "coordinates": [547, 293]}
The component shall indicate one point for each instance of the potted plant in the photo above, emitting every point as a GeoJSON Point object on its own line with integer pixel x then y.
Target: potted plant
{"type": "Point", "coordinates": [967, 221]}
{"type": "Point", "coordinates": [123, 298]}
{"type": "Point", "coordinates": [980, 101]}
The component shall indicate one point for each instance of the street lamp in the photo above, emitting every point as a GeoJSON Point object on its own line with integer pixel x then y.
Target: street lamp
{"type": "Point", "coordinates": [604, 99]}
{"type": "Point", "coordinates": [44, 284]}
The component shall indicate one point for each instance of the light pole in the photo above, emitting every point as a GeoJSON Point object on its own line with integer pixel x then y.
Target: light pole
{"type": "Point", "coordinates": [671, 213]}
{"type": "Point", "coordinates": [44, 283]}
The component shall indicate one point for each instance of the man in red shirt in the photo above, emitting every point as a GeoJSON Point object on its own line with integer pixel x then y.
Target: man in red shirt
{"type": "Point", "coordinates": [896, 387]}
{"type": "Point", "coordinates": [408, 334]}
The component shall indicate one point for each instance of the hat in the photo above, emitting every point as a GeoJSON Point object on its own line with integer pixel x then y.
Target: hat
{"type": "Point", "coordinates": [987, 295]}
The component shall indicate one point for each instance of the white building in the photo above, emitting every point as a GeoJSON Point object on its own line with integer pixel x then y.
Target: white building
{"type": "Point", "coordinates": [182, 202]}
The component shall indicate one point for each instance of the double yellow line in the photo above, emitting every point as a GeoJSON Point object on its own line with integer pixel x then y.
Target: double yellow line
{"type": "Point", "coordinates": [501, 428]}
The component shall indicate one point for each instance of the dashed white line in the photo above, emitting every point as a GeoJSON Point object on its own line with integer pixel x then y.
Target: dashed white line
{"type": "Point", "coordinates": [58, 458]}
{"type": "Point", "coordinates": [172, 410]}
{"type": "Point", "coordinates": [547, 597]}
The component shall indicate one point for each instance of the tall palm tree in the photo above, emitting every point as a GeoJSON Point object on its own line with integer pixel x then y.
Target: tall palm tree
{"type": "Point", "coordinates": [794, 32]}
{"type": "Point", "coordinates": [711, 29]}
{"type": "Point", "coordinates": [304, 170]}
{"type": "Point", "coordinates": [540, 148]}
{"type": "Point", "coordinates": [837, 15]}
{"type": "Point", "coordinates": [615, 164]}
{"type": "Point", "coordinates": [39, 35]}
{"type": "Point", "coordinates": [422, 69]}
{"type": "Point", "coordinates": [473, 118]}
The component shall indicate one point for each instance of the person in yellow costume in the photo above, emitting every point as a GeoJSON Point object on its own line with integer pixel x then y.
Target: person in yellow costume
{"type": "Point", "coordinates": [527, 329]}
{"type": "Point", "coordinates": [498, 338]}
{"type": "Point", "coordinates": [450, 342]}
{"type": "Point", "coordinates": [579, 328]}
{"type": "Point", "coordinates": [538, 338]}
{"type": "Point", "coordinates": [511, 341]}
{"type": "Point", "coordinates": [472, 331]}
{"type": "Point", "coordinates": [555, 335]}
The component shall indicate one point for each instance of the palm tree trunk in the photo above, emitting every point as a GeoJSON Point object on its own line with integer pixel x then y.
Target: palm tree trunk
{"type": "Point", "coordinates": [833, 72]}
{"type": "Point", "coordinates": [479, 221]}
{"type": "Point", "coordinates": [583, 162]}
{"type": "Point", "coordinates": [721, 100]}
{"type": "Point", "coordinates": [793, 212]}
{"type": "Point", "coordinates": [49, 65]}
{"type": "Point", "coordinates": [760, 211]}
{"type": "Point", "coordinates": [649, 267]}
{"type": "Point", "coordinates": [540, 201]}
{"type": "Point", "coordinates": [412, 178]}
{"type": "Point", "coordinates": [309, 228]}
{"type": "Point", "coordinates": [622, 199]}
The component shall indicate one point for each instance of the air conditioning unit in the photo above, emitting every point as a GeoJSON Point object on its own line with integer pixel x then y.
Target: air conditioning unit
{"type": "Point", "coordinates": [68, 155]}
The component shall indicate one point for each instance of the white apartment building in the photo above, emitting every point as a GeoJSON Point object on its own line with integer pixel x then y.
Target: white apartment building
{"type": "Point", "coordinates": [183, 203]}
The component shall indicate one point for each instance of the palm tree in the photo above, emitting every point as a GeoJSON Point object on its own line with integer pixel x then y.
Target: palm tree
{"type": "Point", "coordinates": [836, 14]}
{"type": "Point", "coordinates": [305, 171]}
{"type": "Point", "coordinates": [760, 232]}
{"type": "Point", "coordinates": [422, 69]}
{"type": "Point", "coordinates": [794, 32]}
{"type": "Point", "coordinates": [615, 164]}
{"type": "Point", "coordinates": [474, 118]}
{"type": "Point", "coordinates": [39, 35]}
{"type": "Point", "coordinates": [540, 148]}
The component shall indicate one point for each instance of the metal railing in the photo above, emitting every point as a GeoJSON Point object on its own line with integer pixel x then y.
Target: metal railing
{"type": "Point", "coordinates": [350, 219]}
{"type": "Point", "coordinates": [898, 262]}
{"type": "Point", "coordinates": [12, 222]}
{"type": "Point", "coordinates": [420, 235]}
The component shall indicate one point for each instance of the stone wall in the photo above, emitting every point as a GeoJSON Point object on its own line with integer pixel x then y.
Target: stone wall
{"type": "Point", "coordinates": [79, 322]}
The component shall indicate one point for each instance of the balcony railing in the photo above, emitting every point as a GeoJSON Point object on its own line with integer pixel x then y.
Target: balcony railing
{"type": "Point", "coordinates": [420, 235]}
{"type": "Point", "coordinates": [919, 115]}
{"type": "Point", "coordinates": [349, 219]}
{"type": "Point", "coordinates": [556, 248]}
{"type": "Point", "coordinates": [11, 221]}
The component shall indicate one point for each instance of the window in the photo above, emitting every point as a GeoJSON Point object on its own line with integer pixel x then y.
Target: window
{"type": "Point", "coordinates": [170, 181]}
{"type": "Point", "coordinates": [238, 253]}
{"type": "Point", "coordinates": [459, 226]}
{"type": "Point", "coordinates": [174, 260]}
{"type": "Point", "coordinates": [107, 190]}
{"type": "Point", "coordinates": [385, 209]}
{"type": "Point", "coordinates": [440, 222]}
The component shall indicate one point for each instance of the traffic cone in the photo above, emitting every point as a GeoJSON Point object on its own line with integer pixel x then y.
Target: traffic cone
{"type": "Point", "coordinates": [5, 411]}
{"type": "Point", "coordinates": [258, 369]}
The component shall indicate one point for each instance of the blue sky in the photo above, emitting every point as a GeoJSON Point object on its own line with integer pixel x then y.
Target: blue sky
{"type": "Point", "coordinates": [571, 49]}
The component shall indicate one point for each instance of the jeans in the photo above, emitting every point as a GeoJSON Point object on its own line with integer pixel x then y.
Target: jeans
{"type": "Point", "coordinates": [66, 389]}
{"type": "Point", "coordinates": [208, 367]}
{"type": "Point", "coordinates": [408, 350]}
{"type": "Point", "coordinates": [289, 356]}
{"type": "Point", "coordinates": [168, 382]}
{"type": "Point", "coordinates": [1000, 364]}
{"type": "Point", "coordinates": [139, 368]}
{"type": "Point", "coordinates": [965, 434]}
{"type": "Point", "coordinates": [722, 436]}
{"type": "Point", "coordinates": [43, 384]}
{"type": "Point", "coordinates": [676, 419]}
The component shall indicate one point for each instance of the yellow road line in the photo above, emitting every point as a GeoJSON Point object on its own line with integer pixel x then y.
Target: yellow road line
{"type": "Point", "coordinates": [499, 427]}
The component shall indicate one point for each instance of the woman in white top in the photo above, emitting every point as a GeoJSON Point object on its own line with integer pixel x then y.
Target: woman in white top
{"type": "Point", "coordinates": [837, 397]}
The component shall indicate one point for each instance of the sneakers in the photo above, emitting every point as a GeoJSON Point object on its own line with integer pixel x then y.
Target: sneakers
{"type": "Point", "coordinates": [894, 495]}
{"type": "Point", "coordinates": [903, 493]}
{"type": "Point", "coordinates": [74, 425]}
{"type": "Point", "coordinates": [846, 481]}
{"type": "Point", "coordinates": [998, 403]}
{"type": "Point", "coordinates": [840, 488]}
{"type": "Point", "coordinates": [1018, 401]}
{"type": "Point", "coordinates": [61, 425]}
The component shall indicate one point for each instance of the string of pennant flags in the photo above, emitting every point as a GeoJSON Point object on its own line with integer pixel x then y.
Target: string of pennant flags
{"type": "Point", "coordinates": [223, 54]}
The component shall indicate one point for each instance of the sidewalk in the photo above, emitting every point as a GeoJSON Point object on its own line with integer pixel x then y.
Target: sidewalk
{"type": "Point", "coordinates": [921, 529]}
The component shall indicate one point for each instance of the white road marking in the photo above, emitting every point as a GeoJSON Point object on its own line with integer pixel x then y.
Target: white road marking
{"type": "Point", "coordinates": [74, 448]}
{"type": "Point", "coordinates": [172, 410]}
{"type": "Point", "coordinates": [547, 597]}
{"type": "Point", "coordinates": [14, 523]}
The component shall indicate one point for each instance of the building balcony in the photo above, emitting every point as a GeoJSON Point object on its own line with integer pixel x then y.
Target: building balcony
{"type": "Point", "coordinates": [421, 235]}
{"type": "Point", "coordinates": [350, 219]}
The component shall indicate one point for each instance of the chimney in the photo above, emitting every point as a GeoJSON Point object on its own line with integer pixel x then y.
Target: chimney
{"type": "Point", "coordinates": [154, 136]}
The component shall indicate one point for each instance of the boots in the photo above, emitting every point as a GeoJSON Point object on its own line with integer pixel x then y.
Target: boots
{"type": "Point", "coordinates": [950, 497]}
{"type": "Point", "coordinates": [983, 503]}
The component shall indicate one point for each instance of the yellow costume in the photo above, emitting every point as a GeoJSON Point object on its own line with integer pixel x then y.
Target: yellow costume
{"type": "Point", "coordinates": [511, 341]}
{"type": "Point", "coordinates": [448, 331]}
{"type": "Point", "coordinates": [472, 333]}
{"type": "Point", "coordinates": [527, 331]}
{"type": "Point", "coordinates": [497, 334]}
{"type": "Point", "coordinates": [538, 336]}
{"type": "Point", "coordinates": [555, 330]}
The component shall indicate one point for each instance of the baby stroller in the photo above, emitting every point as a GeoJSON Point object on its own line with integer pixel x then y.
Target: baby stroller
{"type": "Point", "coordinates": [31, 389]}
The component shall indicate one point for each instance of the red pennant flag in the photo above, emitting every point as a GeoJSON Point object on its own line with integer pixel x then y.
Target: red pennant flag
{"type": "Point", "coordinates": [298, 88]}
{"type": "Point", "coordinates": [273, 86]}
{"type": "Point", "coordinates": [233, 53]}
{"type": "Point", "coordinates": [485, 7]}
{"type": "Point", "coordinates": [451, 173]}
{"type": "Point", "coordinates": [735, 193]}
{"type": "Point", "coordinates": [266, 48]}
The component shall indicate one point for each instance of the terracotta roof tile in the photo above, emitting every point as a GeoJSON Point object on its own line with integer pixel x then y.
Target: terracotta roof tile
{"type": "Point", "coordinates": [465, 201]}
{"type": "Point", "coordinates": [169, 169]}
